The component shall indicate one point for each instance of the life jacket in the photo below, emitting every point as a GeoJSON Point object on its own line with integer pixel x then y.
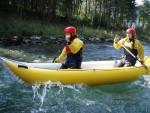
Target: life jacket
{"type": "Point", "coordinates": [73, 60]}
{"type": "Point", "coordinates": [132, 49]}
{"type": "Point", "coordinates": [68, 50]}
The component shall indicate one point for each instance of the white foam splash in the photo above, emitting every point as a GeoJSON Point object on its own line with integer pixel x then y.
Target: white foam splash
{"type": "Point", "coordinates": [40, 91]}
{"type": "Point", "coordinates": [41, 95]}
{"type": "Point", "coordinates": [147, 81]}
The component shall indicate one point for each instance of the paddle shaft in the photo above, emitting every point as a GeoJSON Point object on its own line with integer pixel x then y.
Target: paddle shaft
{"type": "Point", "coordinates": [54, 59]}
{"type": "Point", "coordinates": [59, 51]}
{"type": "Point", "coordinates": [131, 54]}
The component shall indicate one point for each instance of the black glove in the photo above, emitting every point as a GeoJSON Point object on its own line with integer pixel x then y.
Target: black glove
{"type": "Point", "coordinates": [69, 43]}
{"type": "Point", "coordinates": [55, 61]}
{"type": "Point", "coordinates": [142, 62]}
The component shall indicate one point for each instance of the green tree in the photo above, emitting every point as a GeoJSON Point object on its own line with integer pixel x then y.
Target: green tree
{"type": "Point", "coordinates": [144, 18]}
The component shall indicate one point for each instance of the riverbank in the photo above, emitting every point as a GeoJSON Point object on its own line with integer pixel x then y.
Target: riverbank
{"type": "Point", "coordinates": [16, 31]}
{"type": "Point", "coordinates": [39, 40]}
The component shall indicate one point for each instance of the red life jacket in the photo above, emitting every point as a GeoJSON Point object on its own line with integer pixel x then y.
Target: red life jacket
{"type": "Point", "coordinates": [68, 50]}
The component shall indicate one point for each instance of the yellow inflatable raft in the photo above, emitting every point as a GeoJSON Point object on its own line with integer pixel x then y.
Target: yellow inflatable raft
{"type": "Point", "coordinates": [92, 72]}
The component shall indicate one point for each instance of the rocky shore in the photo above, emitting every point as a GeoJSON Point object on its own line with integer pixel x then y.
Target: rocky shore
{"type": "Point", "coordinates": [39, 40]}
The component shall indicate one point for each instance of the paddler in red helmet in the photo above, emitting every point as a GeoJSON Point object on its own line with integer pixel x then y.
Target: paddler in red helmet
{"type": "Point", "coordinates": [132, 49]}
{"type": "Point", "coordinates": [72, 51]}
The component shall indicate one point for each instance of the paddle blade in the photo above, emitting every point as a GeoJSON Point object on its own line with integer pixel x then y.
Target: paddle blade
{"type": "Point", "coordinates": [147, 63]}
{"type": "Point", "coordinates": [147, 60]}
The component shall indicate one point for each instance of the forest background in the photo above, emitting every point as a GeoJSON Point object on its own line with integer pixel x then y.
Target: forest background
{"type": "Point", "coordinates": [92, 18]}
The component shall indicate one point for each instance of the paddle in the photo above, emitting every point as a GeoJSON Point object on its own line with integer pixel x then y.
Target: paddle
{"type": "Point", "coordinates": [59, 51]}
{"type": "Point", "coordinates": [54, 59]}
{"type": "Point", "coordinates": [132, 54]}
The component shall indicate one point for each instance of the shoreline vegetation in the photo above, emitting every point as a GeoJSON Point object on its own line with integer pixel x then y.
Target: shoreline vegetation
{"type": "Point", "coordinates": [95, 21]}
{"type": "Point", "coordinates": [16, 31]}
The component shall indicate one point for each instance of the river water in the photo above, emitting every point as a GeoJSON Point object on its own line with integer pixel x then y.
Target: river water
{"type": "Point", "coordinates": [16, 97]}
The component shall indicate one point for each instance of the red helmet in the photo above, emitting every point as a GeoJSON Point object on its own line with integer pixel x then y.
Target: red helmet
{"type": "Point", "coordinates": [70, 29]}
{"type": "Point", "coordinates": [131, 30]}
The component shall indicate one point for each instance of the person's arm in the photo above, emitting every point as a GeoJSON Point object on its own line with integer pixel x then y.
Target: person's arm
{"type": "Point", "coordinates": [76, 45]}
{"type": "Point", "coordinates": [117, 45]}
{"type": "Point", "coordinates": [140, 51]}
{"type": "Point", "coordinates": [62, 56]}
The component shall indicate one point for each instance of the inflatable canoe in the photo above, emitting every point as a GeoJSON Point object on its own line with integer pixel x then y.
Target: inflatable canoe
{"type": "Point", "coordinates": [91, 73]}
